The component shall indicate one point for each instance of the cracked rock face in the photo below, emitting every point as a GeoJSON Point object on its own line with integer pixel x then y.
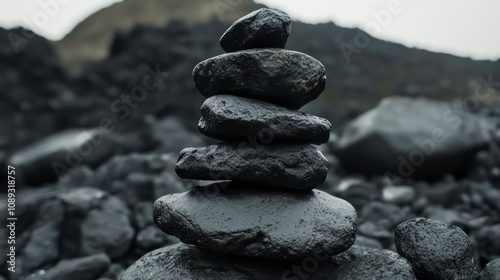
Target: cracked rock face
{"type": "Point", "coordinates": [256, 222]}
{"type": "Point", "coordinates": [291, 166]}
{"type": "Point", "coordinates": [234, 118]}
{"type": "Point", "coordinates": [286, 78]}
{"type": "Point", "coordinates": [435, 250]}
{"type": "Point", "coordinates": [264, 28]}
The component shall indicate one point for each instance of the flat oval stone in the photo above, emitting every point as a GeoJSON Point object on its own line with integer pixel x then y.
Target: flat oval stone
{"type": "Point", "coordinates": [228, 117]}
{"type": "Point", "coordinates": [291, 166]}
{"type": "Point", "coordinates": [286, 78]}
{"type": "Point", "coordinates": [264, 28]}
{"type": "Point", "coordinates": [258, 222]}
{"type": "Point", "coordinates": [435, 250]}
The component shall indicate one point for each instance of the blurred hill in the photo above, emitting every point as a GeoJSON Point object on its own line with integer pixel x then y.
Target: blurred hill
{"type": "Point", "coordinates": [90, 40]}
{"type": "Point", "coordinates": [111, 51]}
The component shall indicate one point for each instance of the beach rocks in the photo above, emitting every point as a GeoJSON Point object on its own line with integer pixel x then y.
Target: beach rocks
{"type": "Point", "coordinates": [366, 263]}
{"type": "Point", "coordinates": [234, 118]}
{"type": "Point", "coordinates": [54, 155]}
{"type": "Point", "coordinates": [286, 78]}
{"type": "Point", "coordinates": [182, 261]}
{"type": "Point", "coordinates": [264, 206]}
{"type": "Point", "coordinates": [435, 250]}
{"type": "Point", "coordinates": [264, 28]}
{"type": "Point", "coordinates": [408, 137]}
{"type": "Point", "coordinates": [258, 222]}
{"type": "Point", "coordinates": [86, 268]}
{"type": "Point", "coordinates": [293, 166]}
{"type": "Point", "coordinates": [491, 271]}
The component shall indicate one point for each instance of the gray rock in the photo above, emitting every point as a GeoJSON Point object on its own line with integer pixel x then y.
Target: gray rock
{"type": "Point", "coordinates": [372, 264]}
{"type": "Point", "coordinates": [87, 268]}
{"type": "Point", "coordinates": [43, 244]}
{"type": "Point", "coordinates": [297, 166]}
{"type": "Point", "coordinates": [82, 200]}
{"type": "Point", "coordinates": [114, 272]}
{"type": "Point", "coordinates": [234, 118]}
{"type": "Point", "coordinates": [187, 262]}
{"type": "Point", "coordinates": [173, 136]}
{"type": "Point", "coordinates": [368, 242]}
{"type": "Point", "coordinates": [140, 177]}
{"type": "Point", "coordinates": [435, 250]}
{"type": "Point", "coordinates": [54, 155]}
{"type": "Point", "coordinates": [399, 195]}
{"type": "Point", "coordinates": [259, 222]}
{"type": "Point", "coordinates": [487, 242]}
{"type": "Point", "coordinates": [491, 271]}
{"type": "Point", "coordinates": [264, 28]}
{"type": "Point", "coordinates": [378, 219]}
{"type": "Point", "coordinates": [286, 78]}
{"type": "Point", "coordinates": [411, 138]}
{"type": "Point", "coordinates": [106, 231]}
{"type": "Point", "coordinates": [358, 192]}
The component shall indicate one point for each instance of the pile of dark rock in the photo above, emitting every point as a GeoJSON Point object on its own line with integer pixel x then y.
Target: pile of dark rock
{"type": "Point", "coordinates": [97, 219]}
{"type": "Point", "coordinates": [263, 219]}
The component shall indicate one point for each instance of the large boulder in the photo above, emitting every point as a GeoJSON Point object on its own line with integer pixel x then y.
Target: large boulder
{"type": "Point", "coordinates": [53, 156]}
{"type": "Point", "coordinates": [411, 138]}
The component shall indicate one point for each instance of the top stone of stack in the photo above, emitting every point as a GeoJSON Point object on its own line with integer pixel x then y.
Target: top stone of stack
{"type": "Point", "coordinates": [264, 28]}
{"type": "Point", "coordinates": [256, 66]}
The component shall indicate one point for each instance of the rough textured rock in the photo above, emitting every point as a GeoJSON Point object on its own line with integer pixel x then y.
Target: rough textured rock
{"type": "Point", "coordinates": [435, 250]}
{"type": "Point", "coordinates": [297, 166]}
{"type": "Point", "coordinates": [491, 271]}
{"type": "Point", "coordinates": [87, 268]}
{"type": "Point", "coordinates": [106, 231]}
{"type": "Point", "coordinates": [43, 244]}
{"type": "Point", "coordinates": [374, 264]}
{"type": "Point", "coordinates": [263, 28]}
{"type": "Point", "coordinates": [252, 221]}
{"type": "Point", "coordinates": [411, 138]}
{"type": "Point", "coordinates": [182, 261]}
{"type": "Point", "coordinates": [233, 118]}
{"type": "Point", "coordinates": [286, 78]}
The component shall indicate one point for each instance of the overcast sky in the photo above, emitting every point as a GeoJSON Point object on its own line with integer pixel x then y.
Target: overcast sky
{"type": "Point", "coordinates": [461, 27]}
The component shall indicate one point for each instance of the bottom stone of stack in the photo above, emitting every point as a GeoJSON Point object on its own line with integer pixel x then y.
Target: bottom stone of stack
{"type": "Point", "coordinates": [252, 221]}
{"type": "Point", "coordinates": [187, 262]}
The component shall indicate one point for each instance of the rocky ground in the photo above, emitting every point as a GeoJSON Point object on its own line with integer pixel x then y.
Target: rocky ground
{"type": "Point", "coordinates": [84, 196]}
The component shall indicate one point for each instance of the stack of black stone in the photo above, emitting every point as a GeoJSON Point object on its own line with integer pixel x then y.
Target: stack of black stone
{"type": "Point", "coordinates": [265, 208]}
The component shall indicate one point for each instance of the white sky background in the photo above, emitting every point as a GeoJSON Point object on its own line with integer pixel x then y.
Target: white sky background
{"type": "Point", "coordinates": [461, 27]}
